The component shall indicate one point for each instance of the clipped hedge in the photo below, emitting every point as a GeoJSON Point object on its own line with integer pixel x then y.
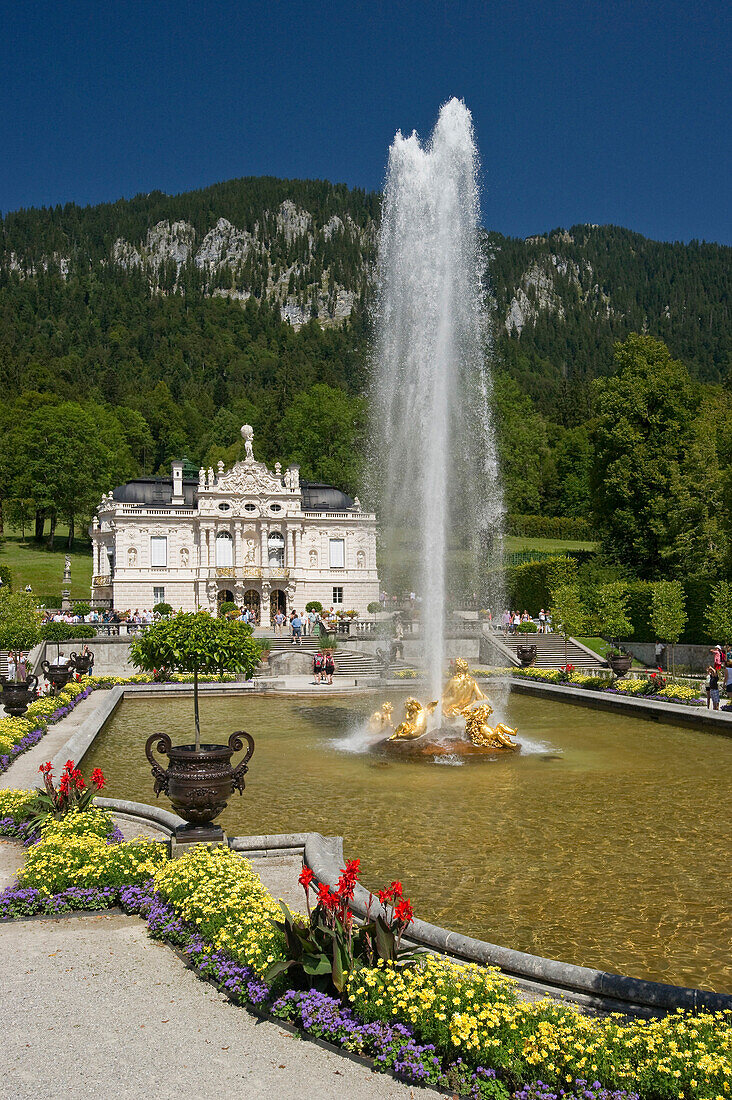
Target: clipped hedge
{"type": "Point", "coordinates": [549, 527]}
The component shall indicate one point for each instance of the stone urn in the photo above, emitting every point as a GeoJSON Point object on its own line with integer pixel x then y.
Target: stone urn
{"type": "Point", "coordinates": [199, 783]}
{"type": "Point", "coordinates": [16, 695]}
{"type": "Point", "coordinates": [620, 665]}
{"type": "Point", "coordinates": [82, 662]}
{"type": "Point", "coordinates": [526, 654]}
{"type": "Point", "coordinates": [58, 676]}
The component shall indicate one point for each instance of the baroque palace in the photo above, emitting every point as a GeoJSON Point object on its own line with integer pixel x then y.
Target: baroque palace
{"type": "Point", "coordinates": [248, 535]}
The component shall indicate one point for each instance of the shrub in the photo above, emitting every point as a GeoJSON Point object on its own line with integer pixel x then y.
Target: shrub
{"type": "Point", "coordinates": [228, 610]}
{"type": "Point", "coordinates": [528, 627]}
{"type": "Point", "coordinates": [6, 577]}
{"type": "Point", "coordinates": [549, 527]}
{"type": "Point", "coordinates": [163, 609]}
{"type": "Point", "coordinates": [64, 632]}
{"type": "Point", "coordinates": [81, 609]}
{"type": "Point", "coordinates": [373, 608]}
{"type": "Point", "coordinates": [529, 586]}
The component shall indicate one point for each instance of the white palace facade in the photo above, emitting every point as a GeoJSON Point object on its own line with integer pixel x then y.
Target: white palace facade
{"type": "Point", "coordinates": [258, 538]}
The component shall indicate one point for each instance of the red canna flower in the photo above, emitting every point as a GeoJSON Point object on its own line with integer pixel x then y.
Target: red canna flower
{"type": "Point", "coordinates": [352, 868]}
{"type": "Point", "coordinates": [396, 889]}
{"type": "Point", "coordinates": [403, 912]}
{"type": "Point", "coordinates": [45, 768]}
{"type": "Point", "coordinates": [97, 778]}
{"type": "Point", "coordinates": [385, 896]}
{"type": "Point", "coordinates": [306, 877]}
{"type": "Point", "coordinates": [326, 897]}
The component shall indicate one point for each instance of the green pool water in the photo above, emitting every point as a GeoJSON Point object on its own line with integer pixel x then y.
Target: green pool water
{"type": "Point", "coordinates": [608, 844]}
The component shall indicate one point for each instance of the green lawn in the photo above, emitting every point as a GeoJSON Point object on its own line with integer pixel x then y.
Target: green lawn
{"type": "Point", "coordinates": [514, 543]}
{"type": "Point", "coordinates": [31, 563]}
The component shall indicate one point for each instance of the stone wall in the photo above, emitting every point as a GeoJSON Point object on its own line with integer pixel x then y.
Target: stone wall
{"type": "Point", "coordinates": [692, 657]}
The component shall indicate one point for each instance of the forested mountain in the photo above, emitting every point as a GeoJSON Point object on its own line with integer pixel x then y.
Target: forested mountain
{"type": "Point", "coordinates": [170, 319]}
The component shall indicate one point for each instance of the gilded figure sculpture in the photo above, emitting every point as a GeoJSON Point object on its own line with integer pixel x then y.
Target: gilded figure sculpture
{"type": "Point", "coordinates": [415, 722]}
{"type": "Point", "coordinates": [485, 736]}
{"type": "Point", "coordinates": [462, 730]}
{"type": "Point", "coordinates": [461, 691]}
{"type": "Point", "coordinates": [381, 719]}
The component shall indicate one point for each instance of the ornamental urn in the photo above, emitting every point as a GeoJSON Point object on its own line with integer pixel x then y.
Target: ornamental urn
{"type": "Point", "coordinates": [199, 782]}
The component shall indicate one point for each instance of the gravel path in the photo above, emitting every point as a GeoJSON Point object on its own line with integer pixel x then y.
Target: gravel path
{"type": "Point", "coordinates": [99, 1009]}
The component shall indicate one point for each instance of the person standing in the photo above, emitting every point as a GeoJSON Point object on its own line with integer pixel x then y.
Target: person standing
{"type": "Point", "coordinates": [329, 666]}
{"type": "Point", "coordinates": [279, 621]}
{"type": "Point", "coordinates": [713, 687]}
{"type": "Point", "coordinates": [11, 665]}
{"type": "Point", "coordinates": [728, 673]}
{"type": "Point", "coordinates": [318, 667]}
{"type": "Point", "coordinates": [22, 668]}
{"type": "Point", "coordinates": [542, 620]}
{"type": "Point", "coordinates": [296, 629]}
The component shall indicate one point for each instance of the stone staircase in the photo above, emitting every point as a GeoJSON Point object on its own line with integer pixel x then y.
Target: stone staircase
{"type": "Point", "coordinates": [347, 662]}
{"type": "Point", "coordinates": [550, 651]}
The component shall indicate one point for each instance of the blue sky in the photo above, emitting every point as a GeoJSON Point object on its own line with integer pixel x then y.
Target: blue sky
{"type": "Point", "coordinates": [584, 112]}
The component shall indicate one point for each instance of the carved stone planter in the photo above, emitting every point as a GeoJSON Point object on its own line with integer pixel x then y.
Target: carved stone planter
{"type": "Point", "coordinates": [199, 784]}
{"type": "Point", "coordinates": [620, 665]}
{"type": "Point", "coordinates": [16, 695]}
{"type": "Point", "coordinates": [58, 676]}
{"type": "Point", "coordinates": [526, 654]}
{"type": "Point", "coordinates": [82, 662]}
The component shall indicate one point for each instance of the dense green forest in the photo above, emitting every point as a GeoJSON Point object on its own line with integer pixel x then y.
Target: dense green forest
{"type": "Point", "coordinates": [142, 330]}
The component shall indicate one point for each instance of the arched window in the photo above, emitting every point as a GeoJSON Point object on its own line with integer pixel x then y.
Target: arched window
{"type": "Point", "coordinates": [224, 549]}
{"type": "Point", "coordinates": [276, 550]}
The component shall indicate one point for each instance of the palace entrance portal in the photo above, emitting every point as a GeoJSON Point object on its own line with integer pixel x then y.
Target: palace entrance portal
{"type": "Point", "coordinates": [277, 602]}
{"type": "Point", "coordinates": [251, 602]}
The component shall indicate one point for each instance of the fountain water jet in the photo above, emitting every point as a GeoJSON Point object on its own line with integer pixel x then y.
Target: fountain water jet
{"type": "Point", "coordinates": [431, 395]}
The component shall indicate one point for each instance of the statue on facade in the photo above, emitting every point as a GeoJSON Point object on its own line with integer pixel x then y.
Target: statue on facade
{"type": "Point", "coordinates": [247, 432]}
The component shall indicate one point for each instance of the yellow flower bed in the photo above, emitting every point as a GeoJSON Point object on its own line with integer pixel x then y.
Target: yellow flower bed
{"type": "Point", "coordinates": [679, 692]}
{"type": "Point", "coordinates": [475, 1012]}
{"type": "Point", "coordinates": [220, 893]}
{"type": "Point", "coordinates": [15, 803]}
{"type": "Point", "coordinates": [71, 853]}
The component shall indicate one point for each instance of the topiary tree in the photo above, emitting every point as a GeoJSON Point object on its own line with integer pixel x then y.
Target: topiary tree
{"type": "Point", "coordinates": [163, 609]}
{"type": "Point", "coordinates": [718, 618]}
{"type": "Point", "coordinates": [315, 605]}
{"type": "Point", "coordinates": [20, 620]}
{"type": "Point", "coordinates": [568, 612]}
{"type": "Point", "coordinates": [228, 610]}
{"type": "Point", "coordinates": [668, 614]}
{"type": "Point", "coordinates": [374, 607]}
{"type": "Point", "coordinates": [195, 641]}
{"type": "Point", "coordinates": [609, 615]}
{"type": "Point", "coordinates": [82, 609]}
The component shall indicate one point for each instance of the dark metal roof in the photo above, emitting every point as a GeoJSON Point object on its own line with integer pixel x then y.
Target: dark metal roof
{"type": "Point", "coordinates": [158, 492]}
{"type": "Point", "coordinates": [155, 491]}
{"type": "Point", "coordinates": [317, 497]}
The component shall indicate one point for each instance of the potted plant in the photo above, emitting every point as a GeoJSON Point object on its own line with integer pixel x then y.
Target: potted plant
{"type": "Point", "coordinates": [619, 662]}
{"type": "Point", "coordinates": [526, 654]}
{"type": "Point", "coordinates": [199, 779]}
{"type": "Point", "coordinates": [19, 632]}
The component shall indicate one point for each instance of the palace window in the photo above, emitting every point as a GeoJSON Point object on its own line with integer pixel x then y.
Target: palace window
{"type": "Point", "coordinates": [337, 553]}
{"type": "Point", "coordinates": [224, 550]}
{"type": "Point", "coordinates": [337, 593]}
{"type": "Point", "coordinates": [276, 550]}
{"type": "Point", "coordinates": [158, 551]}
{"type": "Point", "coordinates": [250, 507]}
{"type": "Point", "coordinates": [224, 507]}
{"type": "Point", "coordinates": [158, 595]}
{"type": "Point", "coordinates": [275, 507]}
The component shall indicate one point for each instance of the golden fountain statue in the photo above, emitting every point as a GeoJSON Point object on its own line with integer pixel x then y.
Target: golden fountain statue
{"type": "Point", "coordinates": [465, 730]}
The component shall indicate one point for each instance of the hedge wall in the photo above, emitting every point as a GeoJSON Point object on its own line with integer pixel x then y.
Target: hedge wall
{"type": "Point", "coordinates": [528, 586]}
{"type": "Point", "coordinates": [549, 527]}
